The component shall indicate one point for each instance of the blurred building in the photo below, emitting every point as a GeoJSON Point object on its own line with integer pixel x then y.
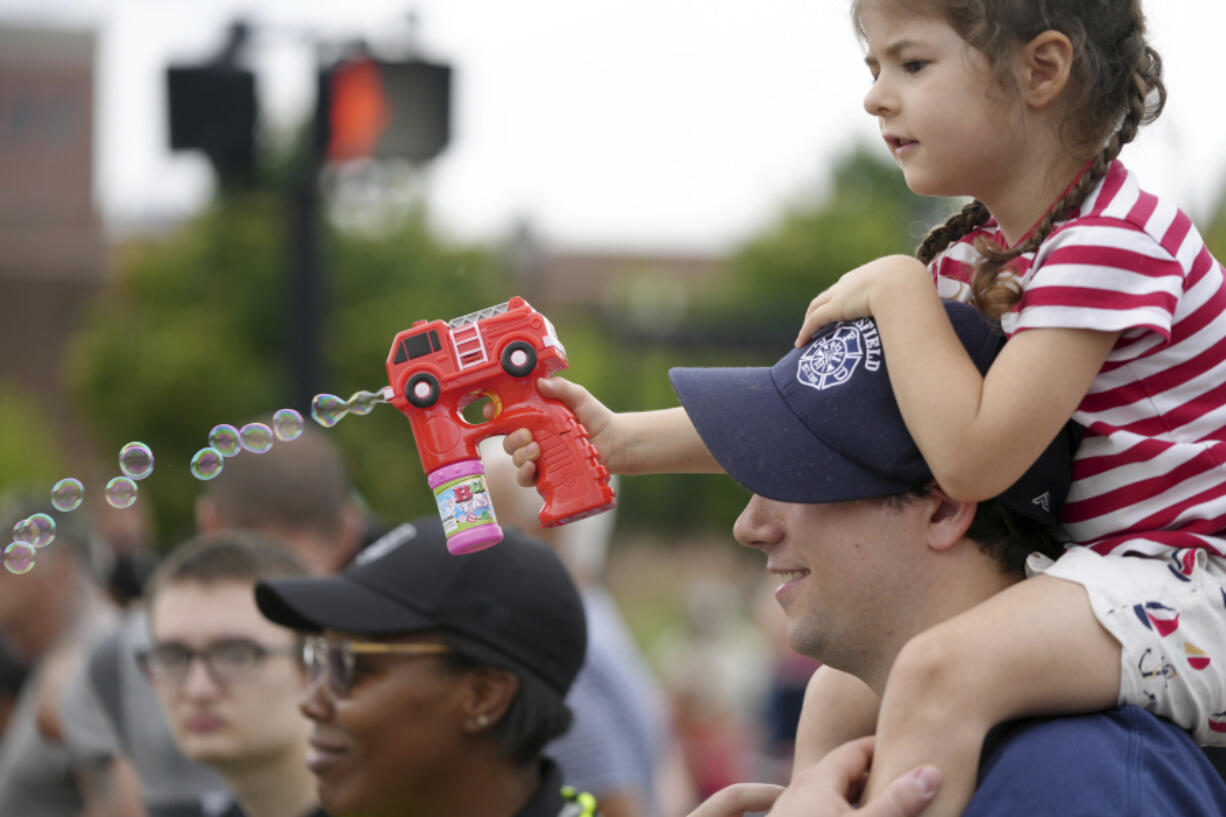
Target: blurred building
{"type": "Point", "coordinates": [640, 290]}
{"type": "Point", "coordinates": [51, 243]}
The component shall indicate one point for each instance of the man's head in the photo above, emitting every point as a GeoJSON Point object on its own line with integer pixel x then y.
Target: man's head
{"type": "Point", "coordinates": [297, 492]}
{"type": "Point", "coordinates": [869, 549]}
{"type": "Point", "coordinates": [227, 678]}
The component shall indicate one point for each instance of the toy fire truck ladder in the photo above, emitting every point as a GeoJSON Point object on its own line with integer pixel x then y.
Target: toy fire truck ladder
{"type": "Point", "coordinates": [466, 335]}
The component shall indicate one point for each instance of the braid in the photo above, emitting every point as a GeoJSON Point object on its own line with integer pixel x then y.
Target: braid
{"type": "Point", "coordinates": [973, 215]}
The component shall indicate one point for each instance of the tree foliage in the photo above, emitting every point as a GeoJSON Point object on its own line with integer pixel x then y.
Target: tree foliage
{"type": "Point", "coordinates": [193, 330]}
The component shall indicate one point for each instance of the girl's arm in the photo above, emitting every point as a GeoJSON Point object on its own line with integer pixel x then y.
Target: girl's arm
{"type": "Point", "coordinates": [977, 433]}
{"type": "Point", "coordinates": [644, 442]}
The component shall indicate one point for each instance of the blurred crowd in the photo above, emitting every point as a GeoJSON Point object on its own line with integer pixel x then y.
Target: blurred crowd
{"type": "Point", "coordinates": [104, 712]}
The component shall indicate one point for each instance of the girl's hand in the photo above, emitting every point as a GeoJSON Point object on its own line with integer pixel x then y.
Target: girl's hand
{"type": "Point", "coordinates": [851, 296]}
{"type": "Point", "coordinates": [663, 441]}
{"type": "Point", "coordinates": [600, 422]}
{"type": "Point", "coordinates": [833, 786]}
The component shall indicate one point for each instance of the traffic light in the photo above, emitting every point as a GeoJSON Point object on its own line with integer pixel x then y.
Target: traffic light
{"type": "Point", "coordinates": [213, 109]}
{"type": "Point", "coordinates": [378, 109]}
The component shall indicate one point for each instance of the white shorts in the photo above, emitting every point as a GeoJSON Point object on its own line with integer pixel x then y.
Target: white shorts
{"type": "Point", "coordinates": [1169, 615]}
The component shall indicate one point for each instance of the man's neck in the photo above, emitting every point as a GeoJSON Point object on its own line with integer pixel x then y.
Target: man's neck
{"type": "Point", "coordinates": [273, 786]}
{"type": "Point", "coordinates": [963, 584]}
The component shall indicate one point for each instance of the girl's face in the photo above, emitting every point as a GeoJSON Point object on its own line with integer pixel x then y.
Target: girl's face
{"type": "Point", "coordinates": [944, 116]}
{"type": "Point", "coordinates": [393, 739]}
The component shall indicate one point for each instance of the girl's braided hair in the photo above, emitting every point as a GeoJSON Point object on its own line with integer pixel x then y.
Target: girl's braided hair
{"type": "Point", "coordinates": [1115, 87]}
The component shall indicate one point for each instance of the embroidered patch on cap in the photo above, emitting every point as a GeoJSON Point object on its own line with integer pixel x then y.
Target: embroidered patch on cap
{"type": "Point", "coordinates": [832, 359]}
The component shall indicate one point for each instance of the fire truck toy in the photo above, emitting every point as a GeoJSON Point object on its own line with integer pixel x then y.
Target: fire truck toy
{"type": "Point", "coordinates": [436, 369]}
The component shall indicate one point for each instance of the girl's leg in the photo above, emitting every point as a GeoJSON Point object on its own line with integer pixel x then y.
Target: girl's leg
{"type": "Point", "coordinates": [838, 707]}
{"type": "Point", "coordinates": [1033, 649]}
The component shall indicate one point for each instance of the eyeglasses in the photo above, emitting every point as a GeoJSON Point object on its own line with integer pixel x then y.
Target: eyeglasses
{"type": "Point", "coordinates": [226, 660]}
{"type": "Point", "coordinates": [335, 660]}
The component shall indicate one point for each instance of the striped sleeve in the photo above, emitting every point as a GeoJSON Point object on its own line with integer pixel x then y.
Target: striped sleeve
{"type": "Point", "coordinates": [1103, 274]}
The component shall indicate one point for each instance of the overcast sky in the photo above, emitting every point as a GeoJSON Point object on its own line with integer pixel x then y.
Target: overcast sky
{"type": "Point", "coordinates": [663, 124]}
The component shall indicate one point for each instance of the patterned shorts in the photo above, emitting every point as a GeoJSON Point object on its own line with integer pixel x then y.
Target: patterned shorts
{"type": "Point", "coordinates": [1169, 615]}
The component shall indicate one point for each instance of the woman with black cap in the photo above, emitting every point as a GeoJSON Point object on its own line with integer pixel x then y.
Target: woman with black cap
{"type": "Point", "coordinates": [435, 680]}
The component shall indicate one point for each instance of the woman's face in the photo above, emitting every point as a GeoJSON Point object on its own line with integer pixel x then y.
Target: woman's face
{"type": "Point", "coordinates": [396, 735]}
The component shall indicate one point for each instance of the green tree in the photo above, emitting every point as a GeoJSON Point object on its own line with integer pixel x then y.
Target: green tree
{"type": "Point", "coordinates": [192, 331]}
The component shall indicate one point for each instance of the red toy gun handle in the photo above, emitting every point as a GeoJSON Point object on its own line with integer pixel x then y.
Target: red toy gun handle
{"type": "Point", "coordinates": [570, 476]}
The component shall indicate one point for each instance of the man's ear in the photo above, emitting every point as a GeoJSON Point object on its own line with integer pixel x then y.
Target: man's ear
{"type": "Point", "coordinates": [1047, 62]}
{"type": "Point", "coordinates": [948, 519]}
{"type": "Point", "coordinates": [488, 694]}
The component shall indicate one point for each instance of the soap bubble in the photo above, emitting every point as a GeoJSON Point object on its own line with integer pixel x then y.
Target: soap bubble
{"type": "Point", "coordinates": [256, 437]}
{"type": "Point", "coordinates": [37, 530]}
{"type": "Point", "coordinates": [287, 424]}
{"type": "Point", "coordinates": [67, 494]}
{"type": "Point", "coordinates": [361, 402]}
{"type": "Point", "coordinates": [136, 460]}
{"type": "Point", "coordinates": [19, 558]}
{"type": "Point", "coordinates": [207, 463]}
{"type": "Point", "coordinates": [328, 409]}
{"type": "Point", "coordinates": [120, 492]}
{"type": "Point", "coordinates": [224, 439]}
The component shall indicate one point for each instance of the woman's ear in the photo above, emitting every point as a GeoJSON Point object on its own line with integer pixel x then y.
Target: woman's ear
{"type": "Point", "coordinates": [1047, 62]}
{"type": "Point", "coordinates": [948, 520]}
{"type": "Point", "coordinates": [488, 695]}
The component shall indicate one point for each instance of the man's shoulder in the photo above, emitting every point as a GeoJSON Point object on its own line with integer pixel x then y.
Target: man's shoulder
{"type": "Point", "coordinates": [1121, 761]}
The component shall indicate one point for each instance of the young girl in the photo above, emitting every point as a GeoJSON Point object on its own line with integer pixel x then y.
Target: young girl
{"type": "Point", "coordinates": [1114, 312]}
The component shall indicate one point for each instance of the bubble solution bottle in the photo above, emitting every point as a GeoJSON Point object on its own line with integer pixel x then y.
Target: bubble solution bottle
{"type": "Point", "coordinates": [464, 506]}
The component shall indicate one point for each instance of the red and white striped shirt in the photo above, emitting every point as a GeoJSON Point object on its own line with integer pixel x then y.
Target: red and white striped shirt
{"type": "Point", "coordinates": [1150, 473]}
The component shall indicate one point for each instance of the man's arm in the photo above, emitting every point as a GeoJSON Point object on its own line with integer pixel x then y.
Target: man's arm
{"type": "Point", "coordinates": [829, 789]}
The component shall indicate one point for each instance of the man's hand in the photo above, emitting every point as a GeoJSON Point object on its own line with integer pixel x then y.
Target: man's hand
{"type": "Point", "coordinates": [832, 787]}
{"type": "Point", "coordinates": [737, 799]}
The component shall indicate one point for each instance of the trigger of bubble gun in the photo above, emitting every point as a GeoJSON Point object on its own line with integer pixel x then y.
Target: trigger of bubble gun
{"type": "Point", "coordinates": [437, 368]}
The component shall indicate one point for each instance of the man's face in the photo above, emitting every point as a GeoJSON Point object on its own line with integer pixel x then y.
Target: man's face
{"type": "Point", "coordinates": [844, 575]}
{"type": "Point", "coordinates": [222, 720]}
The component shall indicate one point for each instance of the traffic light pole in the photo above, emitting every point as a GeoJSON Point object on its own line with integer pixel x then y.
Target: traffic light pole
{"type": "Point", "coordinates": [305, 279]}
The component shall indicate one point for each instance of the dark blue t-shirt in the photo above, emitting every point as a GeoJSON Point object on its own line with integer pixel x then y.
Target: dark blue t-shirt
{"type": "Point", "coordinates": [1117, 763]}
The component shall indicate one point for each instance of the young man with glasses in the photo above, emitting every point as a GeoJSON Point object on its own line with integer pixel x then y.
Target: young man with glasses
{"type": "Point", "coordinates": [227, 679]}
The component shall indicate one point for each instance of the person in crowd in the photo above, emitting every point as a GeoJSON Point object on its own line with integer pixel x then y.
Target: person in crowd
{"type": "Point", "coordinates": [226, 678]}
{"type": "Point", "coordinates": [870, 552]}
{"type": "Point", "coordinates": [297, 492]}
{"type": "Point", "coordinates": [46, 614]}
{"type": "Point", "coordinates": [435, 681]}
{"type": "Point", "coordinates": [619, 746]}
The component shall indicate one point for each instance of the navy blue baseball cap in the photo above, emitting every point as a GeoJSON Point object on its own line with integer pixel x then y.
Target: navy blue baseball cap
{"type": "Point", "coordinates": [822, 424]}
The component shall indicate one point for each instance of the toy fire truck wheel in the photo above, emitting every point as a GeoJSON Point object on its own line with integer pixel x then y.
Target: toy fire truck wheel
{"type": "Point", "coordinates": [519, 358]}
{"type": "Point", "coordinates": [422, 390]}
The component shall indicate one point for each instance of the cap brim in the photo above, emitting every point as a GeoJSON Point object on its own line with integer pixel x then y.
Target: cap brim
{"type": "Point", "coordinates": [335, 603]}
{"type": "Point", "coordinates": [756, 438]}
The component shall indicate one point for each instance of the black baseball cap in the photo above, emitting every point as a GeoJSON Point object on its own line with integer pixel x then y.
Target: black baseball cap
{"type": "Point", "coordinates": [517, 598]}
{"type": "Point", "coordinates": [822, 424]}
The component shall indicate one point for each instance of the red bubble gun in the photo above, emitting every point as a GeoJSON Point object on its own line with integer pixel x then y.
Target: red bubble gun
{"type": "Point", "coordinates": [437, 368]}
